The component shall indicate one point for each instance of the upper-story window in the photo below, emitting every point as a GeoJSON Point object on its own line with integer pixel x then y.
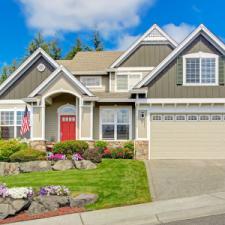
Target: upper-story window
{"type": "Point", "coordinates": [91, 81]}
{"type": "Point", "coordinates": [126, 81]}
{"type": "Point", "coordinates": [200, 69]}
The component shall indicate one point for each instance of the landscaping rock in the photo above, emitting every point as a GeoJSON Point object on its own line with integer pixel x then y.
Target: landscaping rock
{"type": "Point", "coordinates": [9, 168]}
{"type": "Point", "coordinates": [47, 203]}
{"type": "Point", "coordinates": [85, 164]}
{"type": "Point", "coordinates": [63, 165]}
{"type": "Point", "coordinates": [9, 206]}
{"type": "Point", "coordinates": [31, 166]}
{"type": "Point", "coordinates": [83, 199]}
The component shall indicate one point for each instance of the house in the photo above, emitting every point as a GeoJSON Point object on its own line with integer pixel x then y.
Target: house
{"type": "Point", "coordinates": [168, 98]}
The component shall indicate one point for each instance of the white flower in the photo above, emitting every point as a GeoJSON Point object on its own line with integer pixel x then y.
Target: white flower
{"type": "Point", "coordinates": [21, 192]}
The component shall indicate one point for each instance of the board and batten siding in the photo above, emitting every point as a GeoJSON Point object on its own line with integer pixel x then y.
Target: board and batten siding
{"type": "Point", "coordinates": [187, 140]}
{"type": "Point", "coordinates": [165, 84]}
{"type": "Point", "coordinates": [147, 55]}
{"type": "Point", "coordinates": [28, 81]}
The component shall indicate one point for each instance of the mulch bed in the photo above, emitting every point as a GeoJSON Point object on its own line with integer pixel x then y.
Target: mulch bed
{"type": "Point", "coordinates": [24, 216]}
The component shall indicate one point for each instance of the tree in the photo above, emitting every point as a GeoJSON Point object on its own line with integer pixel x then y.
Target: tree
{"type": "Point", "coordinates": [97, 42]}
{"type": "Point", "coordinates": [75, 49]}
{"type": "Point", "coordinates": [54, 50]}
{"type": "Point", "coordinates": [7, 70]}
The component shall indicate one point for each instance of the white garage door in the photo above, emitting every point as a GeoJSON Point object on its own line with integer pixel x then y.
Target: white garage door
{"type": "Point", "coordinates": [189, 136]}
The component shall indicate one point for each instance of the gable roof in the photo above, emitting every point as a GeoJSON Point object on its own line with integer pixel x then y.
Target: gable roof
{"type": "Point", "coordinates": [73, 79]}
{"type": "Point", "coordinates": [200, 30]}
{"type": "Point", "coordinates": [24, 66]}
{"type": "Point", "coordinates": [154, 34]}
{"type": "Point", "coordinates": [91, 62]}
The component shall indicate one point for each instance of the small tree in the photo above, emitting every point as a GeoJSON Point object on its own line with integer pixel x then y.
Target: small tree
{"type": "Point", "coordinates": [75, 49]}
{"type": "Point", "coordinates": [97, 42]}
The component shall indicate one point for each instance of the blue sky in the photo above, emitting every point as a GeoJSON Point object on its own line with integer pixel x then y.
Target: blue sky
{"type": "Point", "coordinates": [120, 21]}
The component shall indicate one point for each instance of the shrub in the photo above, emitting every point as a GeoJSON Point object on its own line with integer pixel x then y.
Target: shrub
{"type": "Point", "coordinates": [93, 155]}
{"type": "Point", "coordinates": [129, 145]}
{"type": "Point", "coordinates": [118, 153]}
{"type": "Point", "coordinates": [101, 145]}
{"type": "Point", "coordinates": [70, 147]}
{"type": "Point", "coordinates": [26, 155]}
{"type": "Point", "coordinates": [7, 148]}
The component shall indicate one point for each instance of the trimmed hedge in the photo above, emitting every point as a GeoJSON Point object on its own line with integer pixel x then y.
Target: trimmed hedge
{"type": "Point", "coordinates": [9, 147]}
{"type": "Point", "coordinates": [70, 147]}
{"type": "Point", "coordinates": [26, 155]}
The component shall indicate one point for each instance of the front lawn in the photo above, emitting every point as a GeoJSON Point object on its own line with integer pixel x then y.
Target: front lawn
{"type": "Point", "coordinates": [117, 182]}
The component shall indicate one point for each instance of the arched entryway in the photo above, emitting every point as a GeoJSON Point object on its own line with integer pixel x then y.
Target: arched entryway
{"type": "Point", "coordinates": [67, 122]}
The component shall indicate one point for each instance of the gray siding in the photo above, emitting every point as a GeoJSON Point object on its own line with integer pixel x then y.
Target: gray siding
{"type": "Point", "coordinates": [164, 85]}
{"type": "Point", "coordinates": [147, 56]}
{"type": "Point", "coordinates": [28, 81]}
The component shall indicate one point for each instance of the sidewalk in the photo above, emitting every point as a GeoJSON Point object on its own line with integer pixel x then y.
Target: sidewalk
{"type": "Point", "coordinates": [144, 214]}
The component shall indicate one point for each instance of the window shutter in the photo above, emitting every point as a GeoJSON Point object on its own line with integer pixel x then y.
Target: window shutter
{"type": "Point", "coordinates": [179, 70]}
{"type": "Point", "coordinates": [221, 71]}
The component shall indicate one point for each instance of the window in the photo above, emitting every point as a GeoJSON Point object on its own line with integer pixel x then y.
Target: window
{"type": "Point", "coordinates": [126, 81]}
{"type": "Point", "coordinates": [201, 68]}
{"type": "Point", "coordinates": [216, 117]}
{"type": "Point", "coordinates": [156, 117]}
{"type": "Point", "coordinates": [192, 117]}
{"type": "Point", "coordinates": [10, 124]}
{"type": "Point", "coordinates": [115, 124]}
{"type": "Point", "coordinates": [91, 81]}
{"type": "Point", "coordinates": [180, 117]}
{"type": "Point", "coordinates": [168, 117]}
{"type": "Point", "coordinates": [204, 117]}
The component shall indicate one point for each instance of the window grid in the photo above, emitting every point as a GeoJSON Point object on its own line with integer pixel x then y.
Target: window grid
{"type": "Point", "coordinates": [92, 81]}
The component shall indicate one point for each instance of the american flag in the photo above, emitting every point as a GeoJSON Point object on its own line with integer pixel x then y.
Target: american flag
{"type": "Point", "coordinates": [25, 127]}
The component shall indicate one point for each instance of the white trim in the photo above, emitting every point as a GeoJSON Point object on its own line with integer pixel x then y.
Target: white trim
{"type": "Point", "coordinates": [110, 82]}
{"type": "Point", "coordinates": [53, 75]}
{"type": "Point", "coordinates": [94, 77]}
{"type": "Point", "coordinates": [60, 114]}
{"type": "Point", "coordinates": [139, 40]}
{"type": "Point", "coordinates": [200, 30]}
{"type": "Point", "coordinates": [24, 66]}
{"type": "Point", "coordinates": [131, 69]}
{"type": "Point", "coordinates": [180, 100]}
{"type": "Point", "coordinates": [116, 100]}
{"type": "Point", "coordinates": [115, 109]}
{"type": "Point", "coordinates": [201, 55]}
{"type": "Point", "coordinates": [12, 101]}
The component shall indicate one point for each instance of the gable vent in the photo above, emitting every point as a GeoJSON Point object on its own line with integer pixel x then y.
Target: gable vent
{"type": "Point", "coordinates": [155, 35]}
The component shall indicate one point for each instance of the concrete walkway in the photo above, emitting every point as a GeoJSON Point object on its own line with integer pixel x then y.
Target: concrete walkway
{"type": "Point", "coordinates": [170, 179]}
{"type": "Point", "coordinates": [156, 213]}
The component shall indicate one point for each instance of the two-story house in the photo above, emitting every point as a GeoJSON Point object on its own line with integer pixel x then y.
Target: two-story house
{"type": "Point", "coordinates": [168, 98]}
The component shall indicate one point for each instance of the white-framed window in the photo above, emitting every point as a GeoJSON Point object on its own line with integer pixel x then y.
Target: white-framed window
{"type": "Point", "coordinates": [192, 117]}
{"type": "Point", "coordinates": [204, 117]}
{"type": "Point", "coordinates": [10, 124]}
{"type": "Point", "coordinates": [216, 117]}
{"type": "Point", "coordinates": [115, 123]}
{"type": "Point", "coordinates": [127, 80]}
{"type": "Point", "coordinates": [200, 69]}
{"type": "Point", "coordinates": [180, 117]}
{"type": "Point", "coordinates": [168, 117]}
{"type": "Point", "coordinates": [91, 81]}
{"type": "Point", "coordinates": [156, 117]}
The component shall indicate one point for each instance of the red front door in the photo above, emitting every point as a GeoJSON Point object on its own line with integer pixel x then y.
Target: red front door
{"type": "Point", "coordinates": [67, 128]}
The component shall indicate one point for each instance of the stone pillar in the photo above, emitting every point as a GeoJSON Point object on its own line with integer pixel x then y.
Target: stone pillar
{"type": "Point", "coordinates": [141, 149]}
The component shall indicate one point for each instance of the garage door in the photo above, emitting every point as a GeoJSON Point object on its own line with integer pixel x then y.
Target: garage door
{"type": "Point", "coordinates": [187, 136]}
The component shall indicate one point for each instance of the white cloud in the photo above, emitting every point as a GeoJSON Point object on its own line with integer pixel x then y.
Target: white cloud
{"type": "Point", "coordinates": [125, 41]}
{"type": "Point", "coordinates": [178, 33]}
{"type": "Point", "coordinates": [107, 16]}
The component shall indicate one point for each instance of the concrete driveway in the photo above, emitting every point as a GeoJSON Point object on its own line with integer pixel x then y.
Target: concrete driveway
{"type": "Point", "coordinates": [185, 178]}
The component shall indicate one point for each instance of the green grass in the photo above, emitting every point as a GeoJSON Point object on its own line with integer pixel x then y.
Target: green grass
{"type": "Point", "coordinates": [117, 182]}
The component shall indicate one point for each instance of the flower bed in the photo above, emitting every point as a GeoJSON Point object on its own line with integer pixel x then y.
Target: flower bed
{"type": "Point", "coordinates": [54, 190]}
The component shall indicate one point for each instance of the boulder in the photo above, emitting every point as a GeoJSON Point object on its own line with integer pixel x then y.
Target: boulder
{"type": "Point", "coordinates": [63, 165]}
{"type": "Point", "coordinates": [83, 199]}
{"type": "Point", "coordinates": [9, 168]}
{"type": "Point", "coordinates": [31, 166]}
{"type": "Point", "coordinates": [10, 207]}
{"type": "Point", "coordinates": [84, 164]}
{"type": "Point", "coordinates": [42, 204]}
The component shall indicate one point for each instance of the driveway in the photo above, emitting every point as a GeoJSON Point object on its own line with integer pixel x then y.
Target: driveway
{"type": "Point", "coordinates": [185, 178]}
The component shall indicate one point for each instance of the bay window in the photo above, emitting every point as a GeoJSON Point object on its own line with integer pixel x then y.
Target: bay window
{"type": "Point", "coordinates": [10, 124]}
{"type": "Point", "coordinates": [200, 69]}
{"type": "Point", "coordinates": [115, 123]}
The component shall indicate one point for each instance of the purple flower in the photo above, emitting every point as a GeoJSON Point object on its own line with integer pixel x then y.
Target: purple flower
{"type": "Point", "coordinates": [77, 157]}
